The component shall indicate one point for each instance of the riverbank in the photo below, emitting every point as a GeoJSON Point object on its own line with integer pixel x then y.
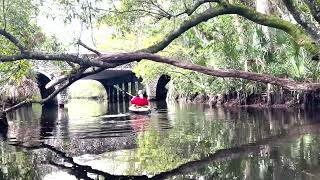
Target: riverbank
{"type": "Point", "coordinates": [286, 99]}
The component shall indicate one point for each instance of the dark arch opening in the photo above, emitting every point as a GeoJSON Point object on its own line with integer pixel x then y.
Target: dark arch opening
{"type": "Point", "coordinates": [42, 81]}
{"type": "Point", "coordinates": [119, 79]}
{"type": "Point", "coordinates": [161, 90]}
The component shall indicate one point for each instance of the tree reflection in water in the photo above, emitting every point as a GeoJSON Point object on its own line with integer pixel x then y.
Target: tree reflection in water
{"type": "Point", "coordinates": [187, 142]}
{"type": "Point", "coordinates": [258, 148]}
{"type": "Point", "coordinates": [80, 171]}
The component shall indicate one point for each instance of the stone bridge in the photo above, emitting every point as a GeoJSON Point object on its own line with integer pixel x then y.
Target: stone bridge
{"type": "Point", "coordinates": [116, 81]}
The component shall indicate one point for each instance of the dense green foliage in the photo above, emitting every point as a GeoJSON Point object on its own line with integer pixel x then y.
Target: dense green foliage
{"type": "Point", "coordinates": [19, 18]}
{"type": "Point", "coordinates": [21, 27]}
{"type": "Point", "coordinates": [218, 44]}
{"type": "Point", "coordinates": [225, 42]}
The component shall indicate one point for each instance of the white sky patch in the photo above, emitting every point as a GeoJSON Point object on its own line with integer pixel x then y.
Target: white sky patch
{"type": "Point", "coordinates": [59, 175]}
{"type": "Point", "coordinates": [67, 33]}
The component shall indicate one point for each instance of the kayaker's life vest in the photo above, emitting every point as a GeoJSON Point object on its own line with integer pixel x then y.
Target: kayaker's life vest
{"type": "Point", "coordinates": [139, 101]}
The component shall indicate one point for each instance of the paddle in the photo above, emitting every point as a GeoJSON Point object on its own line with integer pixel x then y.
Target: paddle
{"type": "Point", "coordinates": [118, 88]}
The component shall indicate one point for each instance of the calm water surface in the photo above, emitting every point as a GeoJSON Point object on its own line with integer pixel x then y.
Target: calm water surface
{"type": "Point", "coordinates": [86, 140]}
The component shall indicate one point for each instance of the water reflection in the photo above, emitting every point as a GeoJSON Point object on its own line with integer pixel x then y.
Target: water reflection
{"type": "Point", "coordinates": [48, 119]}
{"type": "Point", "coordinates": [184, 141]}
{"type": "Point", "coordinates": [139, 123]}
{"type": "Point", "coordinates": [81, 108]}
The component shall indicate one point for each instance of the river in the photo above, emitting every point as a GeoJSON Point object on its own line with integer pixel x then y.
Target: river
{"type": "Point", "coordinates": [86, 140]}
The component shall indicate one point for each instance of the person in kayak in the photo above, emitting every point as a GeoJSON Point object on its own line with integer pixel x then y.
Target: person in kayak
{"type": "Point", "coordinates": [140, 100]}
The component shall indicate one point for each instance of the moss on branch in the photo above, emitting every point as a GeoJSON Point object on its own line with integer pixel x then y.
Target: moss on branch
{"type": "Point", "coordinates": [297, 32]}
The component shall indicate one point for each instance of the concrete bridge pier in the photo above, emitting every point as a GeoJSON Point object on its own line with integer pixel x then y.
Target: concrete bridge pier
{"type": "Point", "coordinates": [121, 93]}
{"type": "Point", "coordinates": [126, 89]}
{"type": "Point", "coordinates": [46, 71]}
{"type": "Point", "coordinates": [112, 94]}
{"type": "Point", "coordinates": [132, 88]}
{"type": "Point", "coordinates": [109, 91]}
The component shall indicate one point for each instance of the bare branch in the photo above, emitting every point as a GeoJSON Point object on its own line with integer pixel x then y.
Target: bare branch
{"type": "Point", "coordinates": [123, 58]}
{"type": "Point", "coordinates": [190, 11]}
{"type": "Point", "coordinates": [161, 9]}
{"type": "Point", "coordinates": [53, 57]}
{"type": "Point", "coordinates": [62, 79]}
{"type": "Point", "coordinates": [11, 38]}
{"type": "Point", "coordinates": [64, 84]}
{"type": "Point", "coordinates": [150, 12]}
{"type": "Point", "coordinates": [43, 101]}
{"type": "Point", "coordinates": [90, 49]}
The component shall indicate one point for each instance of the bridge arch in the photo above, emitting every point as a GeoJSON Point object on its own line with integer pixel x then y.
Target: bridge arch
{"type": "Point", "coordinates": [161, 90]}
{"type": "Point", "coordinates": [117, 82]}
{"type": "Point", "coordinates": [122, 77]}
{"type": "Point", "coordinates": [43, 79]}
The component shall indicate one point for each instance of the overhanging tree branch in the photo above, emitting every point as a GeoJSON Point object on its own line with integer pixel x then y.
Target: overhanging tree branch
{"type": "Point", "coordinates": [299, 17]}
{"type": "Point", "coordinates": [191, 10]}
{"type": "Point", "coordinates": [11, 38]}
{"type": "Point", "coordinates": [297, 33]}
{"type": "Point", "coordinates": [53, 57]}
{"type": "Point", "coordinates": [185, 26]}
{"type": "Point", "coordinates": [314, 6]}
{"type": "Point", "coordinates": [286, 83]}
{"type": "Point", "coordinates": [114, 60]}
{"type": "Point", "coordinates": [89, 48]}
